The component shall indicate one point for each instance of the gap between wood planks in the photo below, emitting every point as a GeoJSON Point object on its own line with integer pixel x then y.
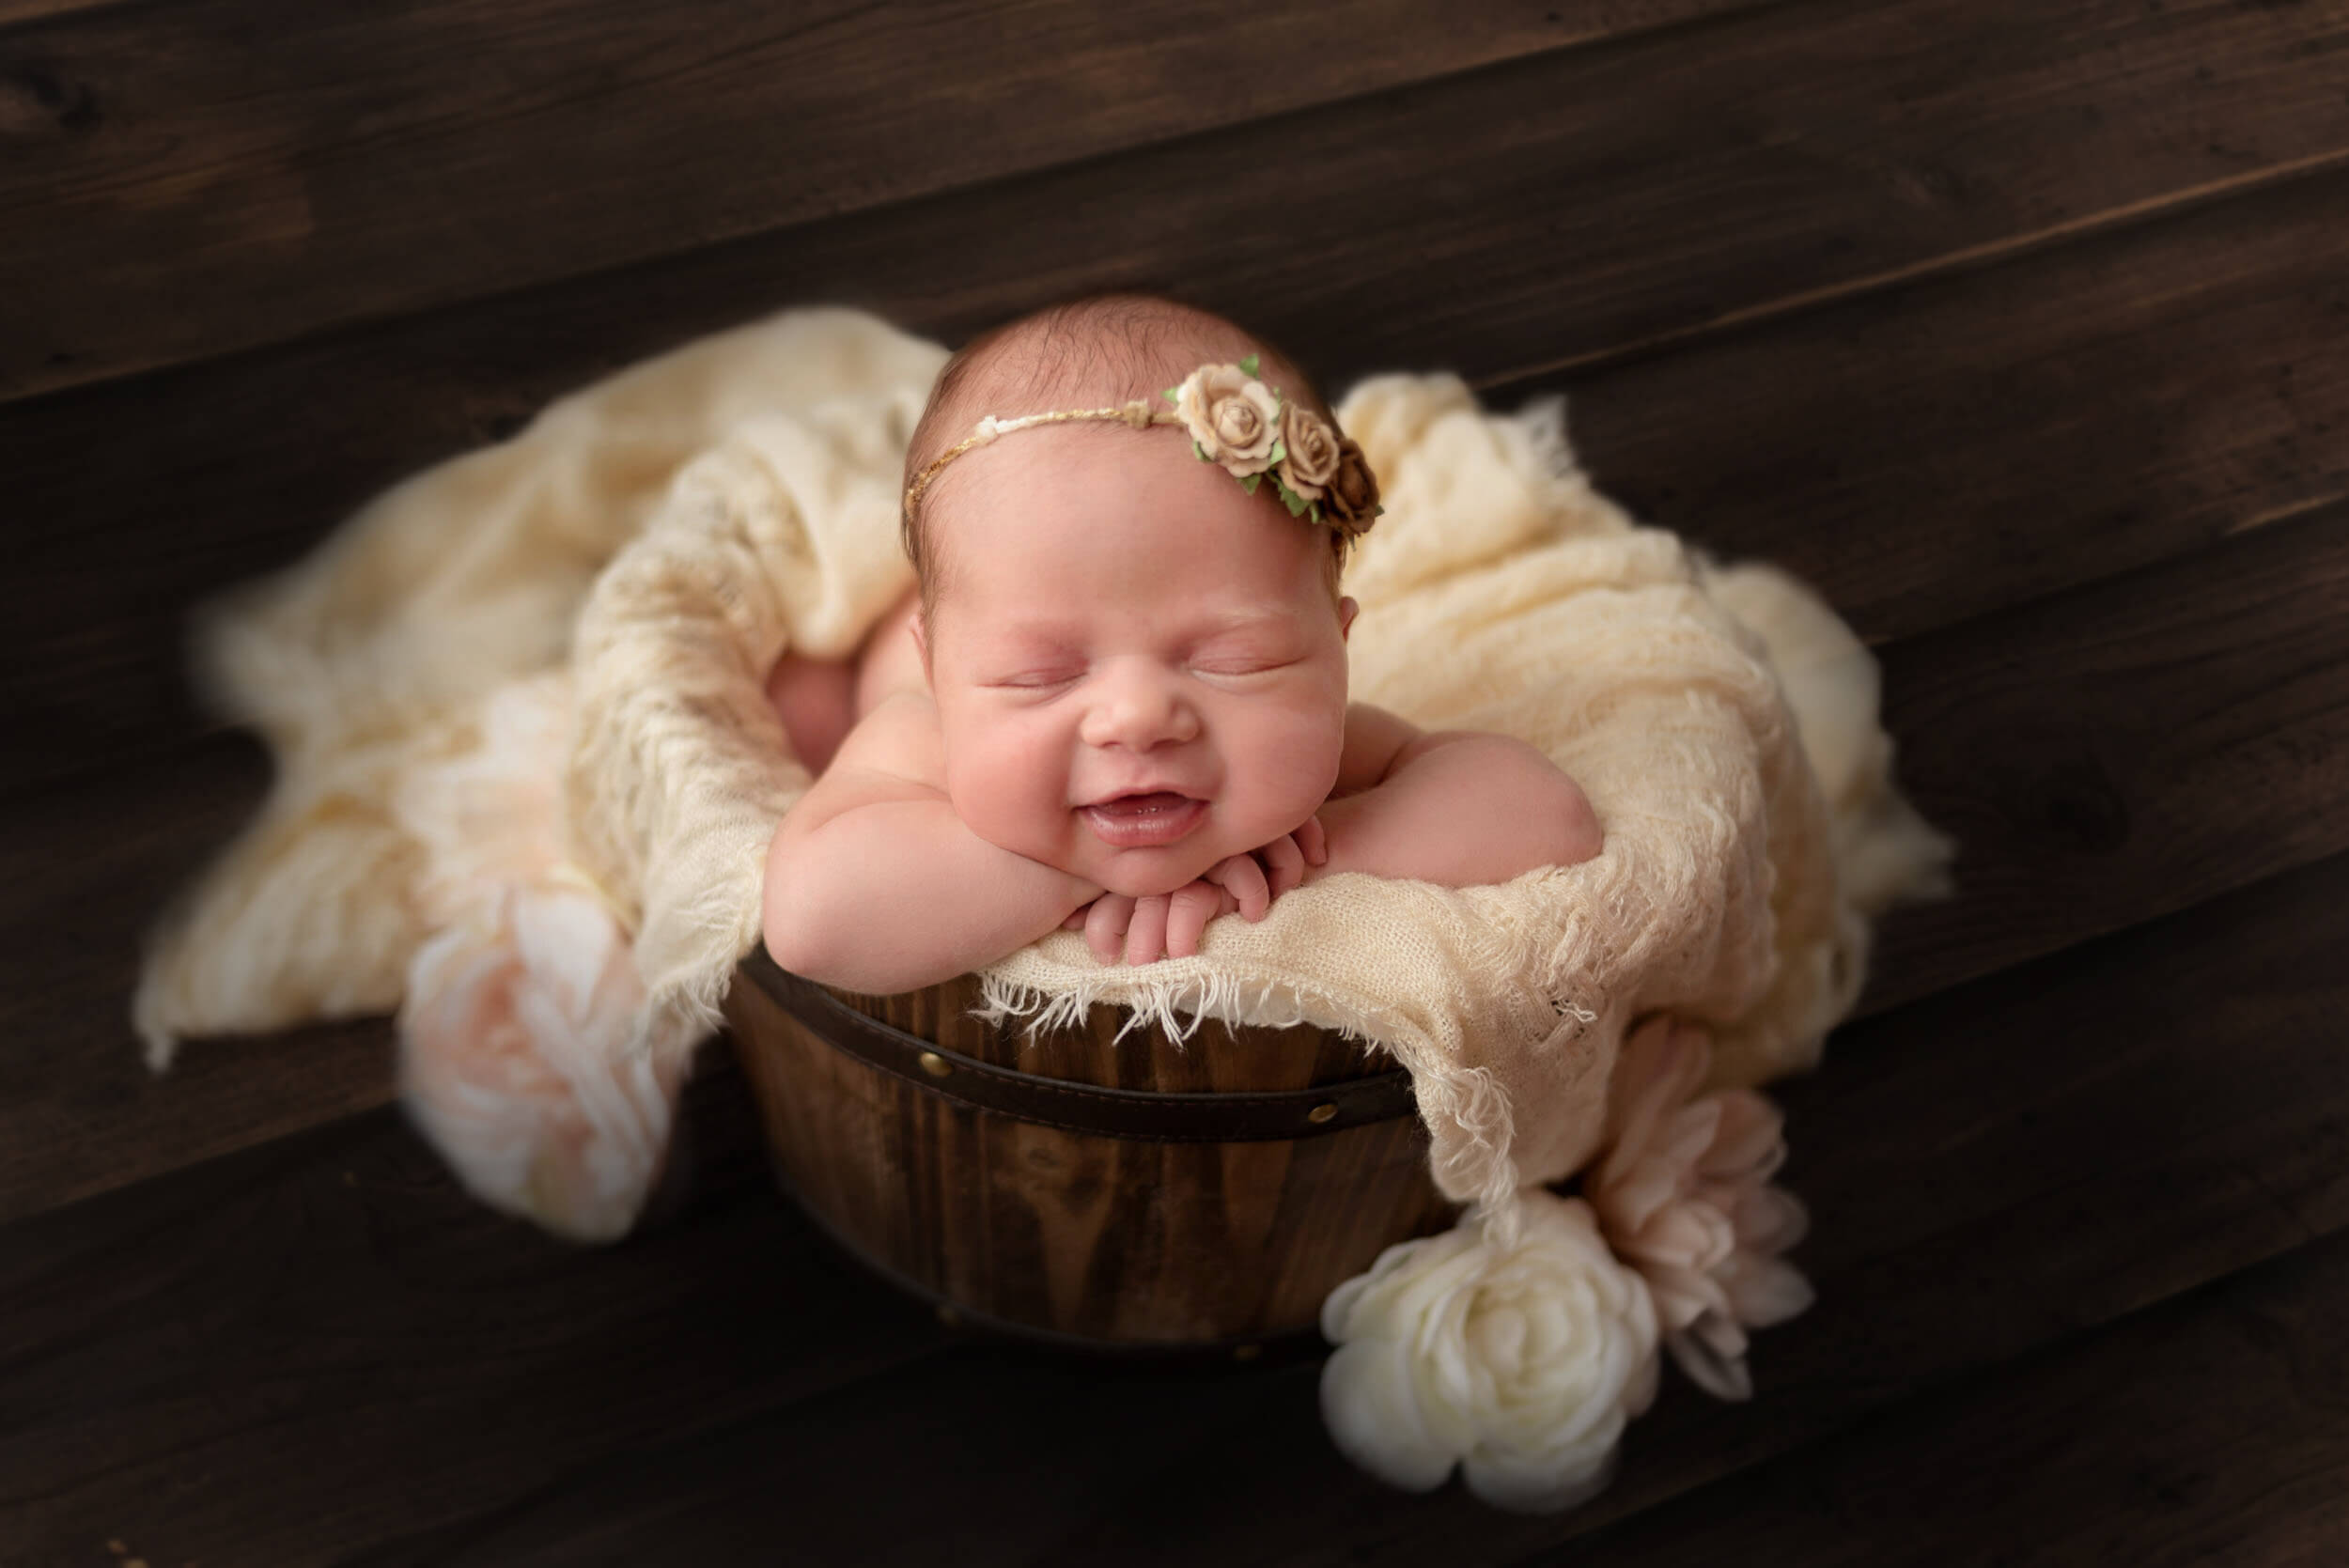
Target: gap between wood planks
{"type": "Point", "coordinates": [1968, 259]}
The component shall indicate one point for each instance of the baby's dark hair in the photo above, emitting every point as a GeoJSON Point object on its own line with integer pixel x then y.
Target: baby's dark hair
{"type": "Point", "coordinates": [1091, 352]}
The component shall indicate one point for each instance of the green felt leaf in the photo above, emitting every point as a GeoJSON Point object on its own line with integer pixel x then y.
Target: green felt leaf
{"type": "Point", "coordinates": [1315, 509]}
{"type": "Point", "coordinates": [1280, 449]}
{"type": "Point", "coordinates": [1248, 364]}
{"type": "Point", "coordinates": [1198, 451]}
{"type": "Point", "coordinates": [1294, 502]}
{"type": "Point", "coordinates": [1169, 395]}
{"type": "Point", "coordinates": [1249, 483]}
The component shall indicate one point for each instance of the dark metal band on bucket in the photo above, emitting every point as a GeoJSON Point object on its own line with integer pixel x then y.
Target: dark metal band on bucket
{"type": "Point", "coordinates": [1185, 1118]}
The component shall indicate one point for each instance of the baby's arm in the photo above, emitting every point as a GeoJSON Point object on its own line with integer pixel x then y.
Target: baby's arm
{"type": "Point", "coordinates": [874, 884]}
{"type": "Point", "coordinates": [1461, 808]}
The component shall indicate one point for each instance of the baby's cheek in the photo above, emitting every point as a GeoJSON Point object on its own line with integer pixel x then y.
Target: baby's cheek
{"type": "Point", "coordinates": [1008, 791]}
{"type": "Point", "coordinates": [1294, 769]}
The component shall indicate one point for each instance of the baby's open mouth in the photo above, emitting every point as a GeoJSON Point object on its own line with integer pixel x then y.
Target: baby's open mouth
{"type": "Point", "coordinates": [1140, 821]}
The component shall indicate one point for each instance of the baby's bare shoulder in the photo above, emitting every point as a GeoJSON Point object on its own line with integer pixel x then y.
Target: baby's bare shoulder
{"type": "Point", "coordinates": [895, 752]}
{"type": "Point", "coordinates": [901, 737]}
{"type": "Point", "coordinates": [1374, 738]}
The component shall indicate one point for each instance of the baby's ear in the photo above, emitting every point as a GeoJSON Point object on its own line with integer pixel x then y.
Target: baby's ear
{"type": "Point", "coordinates": [921, 642]}
{"type": "Point", "coordinates": [1347, 609]}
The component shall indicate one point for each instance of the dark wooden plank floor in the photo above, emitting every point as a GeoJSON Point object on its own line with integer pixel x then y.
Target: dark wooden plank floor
{"type": "Point", "coordinates": [2019, 327]}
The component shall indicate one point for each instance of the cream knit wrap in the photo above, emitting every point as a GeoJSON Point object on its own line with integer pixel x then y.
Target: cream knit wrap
{"type": "Point", "coordinates": [671, 529]}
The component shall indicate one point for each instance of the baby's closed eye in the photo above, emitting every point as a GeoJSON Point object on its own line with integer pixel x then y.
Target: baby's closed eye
{"type": "Point", "coordinates": [1238, 665]}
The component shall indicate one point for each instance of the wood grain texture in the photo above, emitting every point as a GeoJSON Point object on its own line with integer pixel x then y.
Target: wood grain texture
{"type": "Point", "coordinates": [2204, 1432]}
{"type": "Point", "coordinates": [15, 11]}
{"type": "Point", "coordinates": [2017, 326]}
{"type": "Point", "coordinates": [80, 1114]}
{"type": "Point", "coordinates": [2125, 749]}
{"type": "Point", "coordinates": [1572, 219]}
{"type": "Point", "coordinates": [1131, 1242]}
{"type": "Point", "coordinates": [287, 167]}
{"type": "Point", "coordinates": [2038, 1154]}
{"type": "Point", "coordinates": [243, 1364]}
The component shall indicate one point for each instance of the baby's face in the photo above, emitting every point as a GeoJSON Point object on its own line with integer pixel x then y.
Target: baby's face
{"type": "Point", "coordinates": [1120, 616]}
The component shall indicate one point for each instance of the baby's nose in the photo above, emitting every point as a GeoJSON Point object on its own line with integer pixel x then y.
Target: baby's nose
{"type": "Point", "coordinates": [1140, 708]}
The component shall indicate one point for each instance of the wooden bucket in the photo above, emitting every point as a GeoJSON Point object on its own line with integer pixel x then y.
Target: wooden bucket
{"type": "Point", "coordinates": [1146, 1196]}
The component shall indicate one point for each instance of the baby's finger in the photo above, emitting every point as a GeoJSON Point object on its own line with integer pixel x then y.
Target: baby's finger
{"type": "Point", "coordinates": [1284, 864]}
{"type": "Point", "coordinates": [1245, 877]}
{"type": "Point", "coordinates": [1313, 841]}
{"type": "Point", "coordinates": [1077, 918]}
{"type": "Point", "coordinates": [1194, 905]}
{"type": "Point", "coordinates": [1105, 925]}
{"type": "Point", "coordinates": [1146, 936]}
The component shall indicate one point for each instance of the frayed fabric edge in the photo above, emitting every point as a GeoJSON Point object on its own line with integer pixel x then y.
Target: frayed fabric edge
{"type": "Point", "coordinates": [1477, 1170]}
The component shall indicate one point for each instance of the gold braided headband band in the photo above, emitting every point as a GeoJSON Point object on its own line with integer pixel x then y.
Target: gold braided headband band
{"type": "Point", "coordinates": [1236, 420]}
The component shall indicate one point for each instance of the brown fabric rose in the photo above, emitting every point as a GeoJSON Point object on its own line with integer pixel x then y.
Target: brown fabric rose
{"type": "Point", "coordinates": [1310, 454]}
{"type": "Point", "coordinates": [1350, 497]}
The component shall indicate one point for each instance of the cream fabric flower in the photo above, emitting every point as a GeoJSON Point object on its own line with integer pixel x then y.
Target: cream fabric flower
{"type": "Point", "coordinates": [1521, 1364]}
{"type": "Point", "coordinates": [1309, 451]}
{"type": "Point", "coordinates": [1682, 1198]}
{"type": "Point", "coordinates": [1233, 416]}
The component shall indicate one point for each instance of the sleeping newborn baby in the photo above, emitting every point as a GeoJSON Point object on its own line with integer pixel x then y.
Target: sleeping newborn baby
{"type": "Point", "coordinates": [1115, 698]}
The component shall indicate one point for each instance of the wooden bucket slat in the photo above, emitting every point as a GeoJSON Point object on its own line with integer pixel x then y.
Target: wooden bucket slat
{"type": "Point", "coordinates": [1109, 1241]}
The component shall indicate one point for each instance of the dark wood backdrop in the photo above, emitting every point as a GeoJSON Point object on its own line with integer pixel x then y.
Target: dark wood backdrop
{"type": "Point", "coordinates": [2016, 326]}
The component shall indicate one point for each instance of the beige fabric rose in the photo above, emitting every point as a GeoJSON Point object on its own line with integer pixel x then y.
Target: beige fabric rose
{"type": "Point", "coordinates": [1309, 451]}
{"type": "Point", "coordinates": [1521, 1363]}
{"type": "Point", "coordinates": [1233, 416]}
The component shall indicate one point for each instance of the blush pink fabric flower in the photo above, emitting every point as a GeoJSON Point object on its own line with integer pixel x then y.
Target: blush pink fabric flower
{"type": "Point", "coordinates": [514, 1064]}
{"type": "Point", "coordinates": [1681, 1196]}
{"type": "Point", "coordinates": [516, 1057]}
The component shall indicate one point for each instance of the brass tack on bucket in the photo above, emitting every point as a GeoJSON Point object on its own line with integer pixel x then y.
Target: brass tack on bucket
{"type": "Point", "coordinates": [934, 1064]}
{"type": "Point", "coordinates": [1322, 1112]}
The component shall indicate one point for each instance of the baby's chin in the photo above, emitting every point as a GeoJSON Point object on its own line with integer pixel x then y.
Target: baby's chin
{"type": "Point", "coordinates": [1136, 879]}
{"type": "Point", "coordinates": [1141, 872]}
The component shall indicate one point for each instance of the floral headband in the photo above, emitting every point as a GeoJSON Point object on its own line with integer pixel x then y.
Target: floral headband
{"type": "Point", "coordinates": [1237, 420]}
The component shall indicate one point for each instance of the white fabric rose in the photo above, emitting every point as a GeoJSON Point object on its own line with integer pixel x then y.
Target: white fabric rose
{"type": "Point", "coordinates": [1519, 1364]}
{"type": "Point", "coordinates": [1233, 416]}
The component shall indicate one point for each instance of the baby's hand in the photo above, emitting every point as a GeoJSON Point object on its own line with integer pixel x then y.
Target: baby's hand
{"type": "Point", "coordinates": [1174, 923]}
